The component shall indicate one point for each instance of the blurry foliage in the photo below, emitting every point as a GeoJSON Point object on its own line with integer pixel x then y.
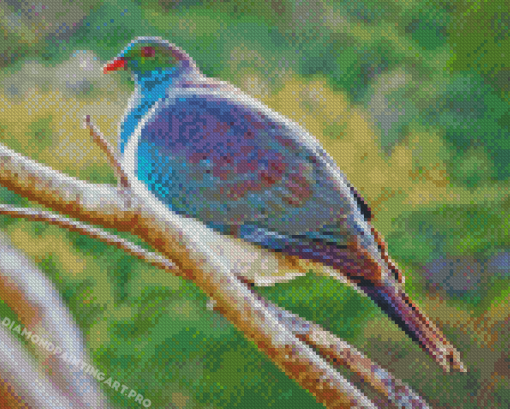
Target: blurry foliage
{"type": "Point", "coordinates": [473, 117]}
{"type": "Point", "coordinates": [428, 27]}
{"type": "Point", "coordinates": [27, 26]}
{"type": "Point", "coordinates": [107, 27]}
{"type": "Point", "coordinates": [410, 98]}
{"type": "Point", "coordinates": [481, 41]}
{"type": "Point", "coordinates": [40, 133]}
{"type": "Point", "coordinates": [422, 236]}
{"type": "Point", "coordinates": [370, 11]}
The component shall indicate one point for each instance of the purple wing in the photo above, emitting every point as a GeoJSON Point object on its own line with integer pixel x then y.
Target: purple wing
{"type": "Point", "coordinates": [230, 165]}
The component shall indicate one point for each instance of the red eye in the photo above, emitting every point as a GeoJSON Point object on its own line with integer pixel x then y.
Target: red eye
{"type": "Point", "coordinates": [148, 52]}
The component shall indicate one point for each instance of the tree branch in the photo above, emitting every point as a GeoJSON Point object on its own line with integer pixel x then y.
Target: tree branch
{"type": "Point", "coordinates": [38, 305]}
{"type": "Point", "coordinates": [199, 254]}
{"type": "Point", "coordinates": [340, 353]}
{"type": "Point", "coordinates": [72, 225]}
{"type": "Point", "coordinates": [335, 350]}
{"type": "Point", "coordinates": [100, 140]}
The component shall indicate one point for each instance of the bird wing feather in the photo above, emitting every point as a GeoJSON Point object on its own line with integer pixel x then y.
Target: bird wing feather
{"type": "Point", "coordinates": [226, 159]}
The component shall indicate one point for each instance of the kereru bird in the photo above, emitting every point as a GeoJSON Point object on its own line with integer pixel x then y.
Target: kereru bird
{"type": "Point", "coordinates": [208, 151]}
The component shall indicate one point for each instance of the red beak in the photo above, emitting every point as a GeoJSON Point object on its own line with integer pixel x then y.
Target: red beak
{"type": "Point", "coordinates": [117, 64]}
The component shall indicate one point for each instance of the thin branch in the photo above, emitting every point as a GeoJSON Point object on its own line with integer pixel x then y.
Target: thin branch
{"type": "Point", "coordinates": [100, 140]}
{"type": "Point", "coordinates": [194, 249]}
{"type": "Point", "coordinates": [72, 225]}
{"type": "Point", "coordinates": [335, 350]}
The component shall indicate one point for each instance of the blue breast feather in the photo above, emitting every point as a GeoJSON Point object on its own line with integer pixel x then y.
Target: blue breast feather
{"type": "Point", "coordinates": [246, 172]}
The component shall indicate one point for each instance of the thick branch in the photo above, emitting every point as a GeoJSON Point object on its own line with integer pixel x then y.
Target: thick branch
{"type": "Point", "coordinates": [194, 249]}
{"type": "Point", "coordinates": [21, 381]}
{"type": "Point", "coordinates": [335, 350]}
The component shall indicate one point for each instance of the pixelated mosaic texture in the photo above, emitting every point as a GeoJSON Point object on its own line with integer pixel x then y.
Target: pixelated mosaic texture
{"type": "Point", "coordinates": [410, 99]}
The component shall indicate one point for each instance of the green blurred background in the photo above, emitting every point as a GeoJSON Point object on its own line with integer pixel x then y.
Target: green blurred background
{"type": "Point", "coordinates": [411, 98]}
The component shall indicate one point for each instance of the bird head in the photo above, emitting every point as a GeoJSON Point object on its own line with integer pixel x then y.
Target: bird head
{"type": "Point", "coordinates": [149, 57]}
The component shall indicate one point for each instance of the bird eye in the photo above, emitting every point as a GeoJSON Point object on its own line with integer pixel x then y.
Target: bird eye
{"type": "Point", "coordinates": [148, 52]}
